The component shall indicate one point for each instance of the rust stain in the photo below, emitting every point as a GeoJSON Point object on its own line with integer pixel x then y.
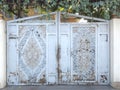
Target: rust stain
{"type": "Point", "coordinates": [12, 77]}
{"type": "Point", "coordinates": [42, 80]}
{"type": "Point", "coordinates": [22, 81]}
{"type": "Point", "coordinates": [74, 31]}
{"type": "Point", "coordinates": [76, 78]}
{"type": "Point", "coordinates": [13, 73]}
{"type": "Point", "coordinates": [58, 63]}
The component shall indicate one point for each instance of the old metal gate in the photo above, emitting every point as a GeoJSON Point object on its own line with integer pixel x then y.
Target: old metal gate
{"type": "Point", "coordinates": [57, 53]}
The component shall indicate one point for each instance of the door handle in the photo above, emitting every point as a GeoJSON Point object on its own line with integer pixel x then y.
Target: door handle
{"type": "Point", "coordinates": [12, 36]}
{"type": "Point", "coordinates": [106, 36]}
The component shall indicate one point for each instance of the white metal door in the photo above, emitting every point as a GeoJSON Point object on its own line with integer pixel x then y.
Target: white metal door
{"type": "Point", "coordinates": [27, 50]}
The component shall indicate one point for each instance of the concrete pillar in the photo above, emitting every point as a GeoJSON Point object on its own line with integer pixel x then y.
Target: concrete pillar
{"type": "Point", "coordinates": [115, 52]}
{"type": "Point", "coordinates": [2, 53]}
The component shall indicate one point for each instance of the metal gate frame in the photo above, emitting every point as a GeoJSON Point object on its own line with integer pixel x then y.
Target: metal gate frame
{"type": "Point", "coordinates": [102, 76]}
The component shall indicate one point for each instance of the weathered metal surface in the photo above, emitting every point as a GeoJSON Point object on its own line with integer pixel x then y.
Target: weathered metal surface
{"type": "Point", "coordinates": [65, 75]}
{"type": "Point", "coordinates": [32, 54]}
{"type": "Point", "coordinates": [84, 53]}
{"type": "Point", "coordinates": [62, 53]}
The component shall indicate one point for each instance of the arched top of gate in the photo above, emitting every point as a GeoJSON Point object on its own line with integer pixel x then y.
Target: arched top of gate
{"type": "Point", "coordinates": [52, 18]}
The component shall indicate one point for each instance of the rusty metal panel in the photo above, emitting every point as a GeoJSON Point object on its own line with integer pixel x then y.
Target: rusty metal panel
{"type": "Point", "coordinates": [83, 55]}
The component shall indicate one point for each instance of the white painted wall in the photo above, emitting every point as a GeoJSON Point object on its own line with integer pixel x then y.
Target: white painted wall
{"type": "Point", "coordinates": [115, 52]}
{"type": "Point", "coordinates": [2, 54]}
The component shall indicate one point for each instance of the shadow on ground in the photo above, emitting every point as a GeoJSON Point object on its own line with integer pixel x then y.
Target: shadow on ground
{"type": "Point", "coordinates": [57, 87]}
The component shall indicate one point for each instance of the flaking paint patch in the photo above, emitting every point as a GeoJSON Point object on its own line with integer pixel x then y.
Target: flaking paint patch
{"type": "Point", "coordinates": [12, 78]}
{"type": "Point", "coordinates": [42, 80]}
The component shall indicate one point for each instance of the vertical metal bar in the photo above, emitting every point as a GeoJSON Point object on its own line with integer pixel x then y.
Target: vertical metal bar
{"type": "Point", "coordinates": [70, 33]}
{"type": "Point", "coordinates": [7, 52]}
{"type": "Point", "coordinates": [47, 53]}
{"type": "Point", "coordinates": [58, 44]}
{"type": "Point", "coordinates": [96, 52]}
{"type": "Point", "coordinates": [108, 30]}
{"type": "Point", "coordinates": [17, 42]}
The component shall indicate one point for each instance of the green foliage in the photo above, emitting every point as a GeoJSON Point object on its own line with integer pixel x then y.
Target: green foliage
{"type": "Point", "coordinates": [95, 8]}
{"type": "Point", "coordinates": [105, 9]}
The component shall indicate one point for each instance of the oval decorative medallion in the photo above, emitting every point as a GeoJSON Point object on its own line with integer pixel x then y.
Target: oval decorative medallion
{"type": "Point", "coordinates": [32, 53]}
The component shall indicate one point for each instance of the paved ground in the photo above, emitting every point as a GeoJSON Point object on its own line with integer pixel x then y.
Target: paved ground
{"type": "Point", "coordinates": [59, 88]}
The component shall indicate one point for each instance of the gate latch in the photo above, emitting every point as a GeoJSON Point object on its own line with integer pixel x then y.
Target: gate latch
{"type": "Point", "coordinates": [106, 36]}
{"type": "Point", "coordinates": [13, 36]}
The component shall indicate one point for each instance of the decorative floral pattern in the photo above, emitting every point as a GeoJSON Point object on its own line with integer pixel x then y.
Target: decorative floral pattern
{"type": "Point", "coordinates": [83, 54]}
{"type": "Point", "coordinates": [32, 53]}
